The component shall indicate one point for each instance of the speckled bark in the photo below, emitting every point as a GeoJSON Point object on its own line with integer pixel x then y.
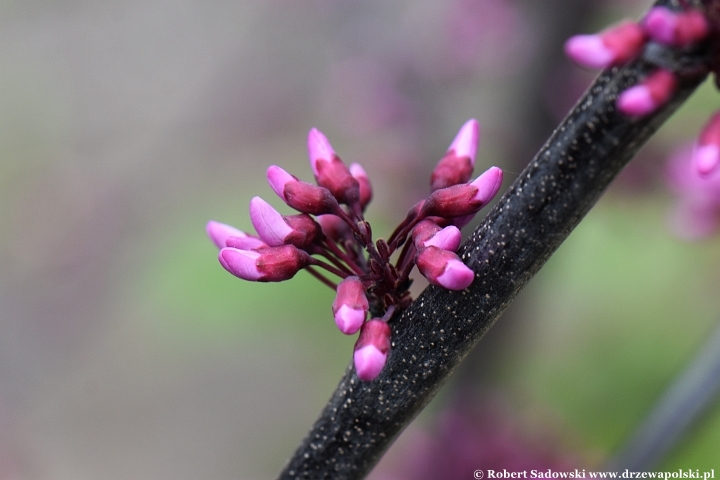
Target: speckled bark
{"type": "Point", "coordinates": [534, 216]}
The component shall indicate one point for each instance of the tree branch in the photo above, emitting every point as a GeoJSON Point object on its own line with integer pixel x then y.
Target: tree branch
{"type": "Point", "coordinates": [532, 219]}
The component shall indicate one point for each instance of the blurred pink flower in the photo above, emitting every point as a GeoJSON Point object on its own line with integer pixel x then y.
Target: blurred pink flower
{"type": "Point", "coordinates": [697, 212]}
{"type": "Point", "coordinates": [473, 434]}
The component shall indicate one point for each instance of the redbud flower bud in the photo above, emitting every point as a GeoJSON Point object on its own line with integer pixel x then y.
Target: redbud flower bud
{"type": "Point", "coordinates": [334, 227]}
{"type": "Point", "coordinates": [464, 199]}
{"type": "Point", "coordinates": [427, 233]}
{"type": "Point", "coordinates": [350, 306]}
{"type": "Point", "coordinates": [443, 268]}
{"type": "Point", "coordinates": [706, 156]}
{"type": "Point", "coordinates": [220, 232]}
{"type": "Point", "coordinates": [613, 46]}
{"type": "Point", "coordinates": [276, 229]}
{"type": "Point", "coordinates": [650, 94]}
{"type": "Point", "coordinates": [271, 264]}
{"type": "Point", "coordinates": [330, 172]}
{"type": "Point", "coordinates": [371, 349]}
{"type": "Point", "coordinates": [302, 196]}
{"type": "Point", "coordinates": [675, 29]}
{"type": "Point", "coordinates": [366, 193]}
{"type": "Point", "coordinates": [457, 164]}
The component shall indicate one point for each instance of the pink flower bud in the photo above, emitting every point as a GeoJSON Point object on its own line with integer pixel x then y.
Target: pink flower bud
{"type": "Point", "coordinates": [706, 156]}
{"type": "Point", "coordinates": [650, 94]}
{"type": "Point", "coordinates": [464, 199]}
{"type": "Point", "coordinates": [302, 196]}
{"type": "Point", "coordinates": [457, 164]}
{"type": "Point", "coordinates": [350, 306]}
{"type": "Point", "coordinates": [271, 264]}
{"type": "Point", "coordinates": [366, 192]}
{"type": "Point", "coordinates": [220, 232]}
{"type": "Point", "coordinates": [276, 229]}
{"type": "Point", "coordinates": [330, 172]}
{"type": "Point", "coordinates": [613, 46]}
{"type": "Point", "coordinates": [248, 242]}
{"type": "Point", "coordinates": [444, 269]}
{"type": "Point", "coordinates": [675, 29]}
{"type": "Point", "coordinates": [371, 349]}
{"type": "Point", "coordinates": [427, 233]}
{"type": "Point", "coordinates": [334, 227]}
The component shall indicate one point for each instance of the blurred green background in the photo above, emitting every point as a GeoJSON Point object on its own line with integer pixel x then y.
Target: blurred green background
{"type": "Point", "coordinates": [126, 351]}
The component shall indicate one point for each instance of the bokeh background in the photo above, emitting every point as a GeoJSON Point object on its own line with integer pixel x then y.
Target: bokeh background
{"type": "Point", "coordinates": [127, 352]}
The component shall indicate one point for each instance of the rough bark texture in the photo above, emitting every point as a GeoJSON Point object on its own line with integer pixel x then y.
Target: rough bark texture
{"type": "Point", "coordinates": [534, 216]}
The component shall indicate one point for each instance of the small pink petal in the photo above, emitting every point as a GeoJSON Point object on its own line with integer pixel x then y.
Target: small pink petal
{"type": "Point", "coordinates": [466, 141]}
{"type": "Point", "coordinates": [660, 24]}
{"type": "Point", "coordinates": [220, 232]}
{"type": "Point", "coordinates": [369, 362]}
{"type": "Point", "coordinates": [706, 158]}
{"type": "Point", "coordinates": [488, 185]}
{"type": "Point", "coordinates": [241, 263]}
{"type": "Point", "coordinates": [248, 242]}
{"type": "Point", "coordinates": [457, 276]}
{"type": "Point", "coordinates": [349, 320]}
{"type": "Point", "coordinates": [278, 178]}
{"type": "Point", "coordinates": [319, 148]}
{"type": "Point", "coordinates": [589, 51]}
{"type": "Point", "coordinates": [636, 101]}
{"type": "Point", "coordinates": [268, 222]}
{"type": "Point", "coordinates": [448, 238]}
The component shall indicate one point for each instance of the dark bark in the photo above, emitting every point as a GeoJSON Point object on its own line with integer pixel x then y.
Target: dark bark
{"type": "Point", "coordinates": [531, 220]}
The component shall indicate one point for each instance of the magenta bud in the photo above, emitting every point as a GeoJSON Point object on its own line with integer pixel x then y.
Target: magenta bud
{"type": "Point", "coordinates": [271, 264]}
{"type": "Point", "coordinates": [248, 242]}
{"type": "Point", "coordinates": [334, 227]}
{"type": "Point", "coordinates": [372, 349]}
{"type": "Point", "coordinates": [457, 164]}
{"type": "Point", "coordinates": [302, 196]}
{"type": "Point", "coordinates": [366, 192]}
{"type": "Point", "coordinates": [650, 94]}
{"type": "Point", "coordinates": [350, 306]}
{"type": "Point", "coordinates": [444, 269]}
{"type": "Point", "coordinates": [675, 29]}
{"type": "Point", "coordinates": [706, 156]}
{"type": "Point", "coordinates": [427, 233]}
{"type": "Point", "coordinates": [464, 199]}
{"type": "Point", "coordinates": [220, 232]}
{"type": "Point", "coordinates": [276, 229]}
{"type": "Point", "coordinates": [613, 46]}
{"type": "Point", "coordinates": [330, 172]}
{"type": "Point", "coordinates": [448, 238]}
{"type": "Point", "coordinates": [268, 222]}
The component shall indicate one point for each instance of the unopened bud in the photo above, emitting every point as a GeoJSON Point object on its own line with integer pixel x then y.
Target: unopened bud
{"type": "Point", "coordinates": [650, 94]}
{"type": "Point", "coordinates": [366, 192]}
{"type": "Point", "coordinates": [372, 349]}
{"type": "Point", "coordinates": [444, 268]}
{"type": "Point", "coordinates": [427, 233]}
{"type": "Point", "coordinates": [220, 232]}
{"type": "Point", "coordinates": [302, 196]}
{"type": "Point", "coordinates": [350, 306]}
{"type": "Point", "coordinates": [271, 264]}
{"type": "Point", "coordinates": [457, 165]}
{"type": "Point", "coordinates": [330, 172]}
{"type": "Point", "coordinates": [464, 199]}
{"type": "Point", "coordinates": [276, 229]}
{"type": "Point", "coordinates": [611, 47]}
{"type": "Point", "coordinates": [676, 29]}
{"type": "Point", "coordinates": [334, 227]}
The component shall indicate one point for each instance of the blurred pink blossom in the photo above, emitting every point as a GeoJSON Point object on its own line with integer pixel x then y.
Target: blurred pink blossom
{"type": "Point", "coordinates": [697, 212]}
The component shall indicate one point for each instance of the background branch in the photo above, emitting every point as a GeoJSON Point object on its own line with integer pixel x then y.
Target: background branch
{"type": "Point", "coordinates": [531, 220]}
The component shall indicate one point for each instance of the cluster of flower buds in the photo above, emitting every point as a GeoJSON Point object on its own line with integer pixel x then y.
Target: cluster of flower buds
{"type": "Point", "coordinates": [331, 235]}
{"type": "Point", "coordinates": [622, 42]}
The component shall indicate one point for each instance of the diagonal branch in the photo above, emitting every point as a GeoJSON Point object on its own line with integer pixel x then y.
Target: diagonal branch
{"type": "Point", "coordinates": [532, 219]}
